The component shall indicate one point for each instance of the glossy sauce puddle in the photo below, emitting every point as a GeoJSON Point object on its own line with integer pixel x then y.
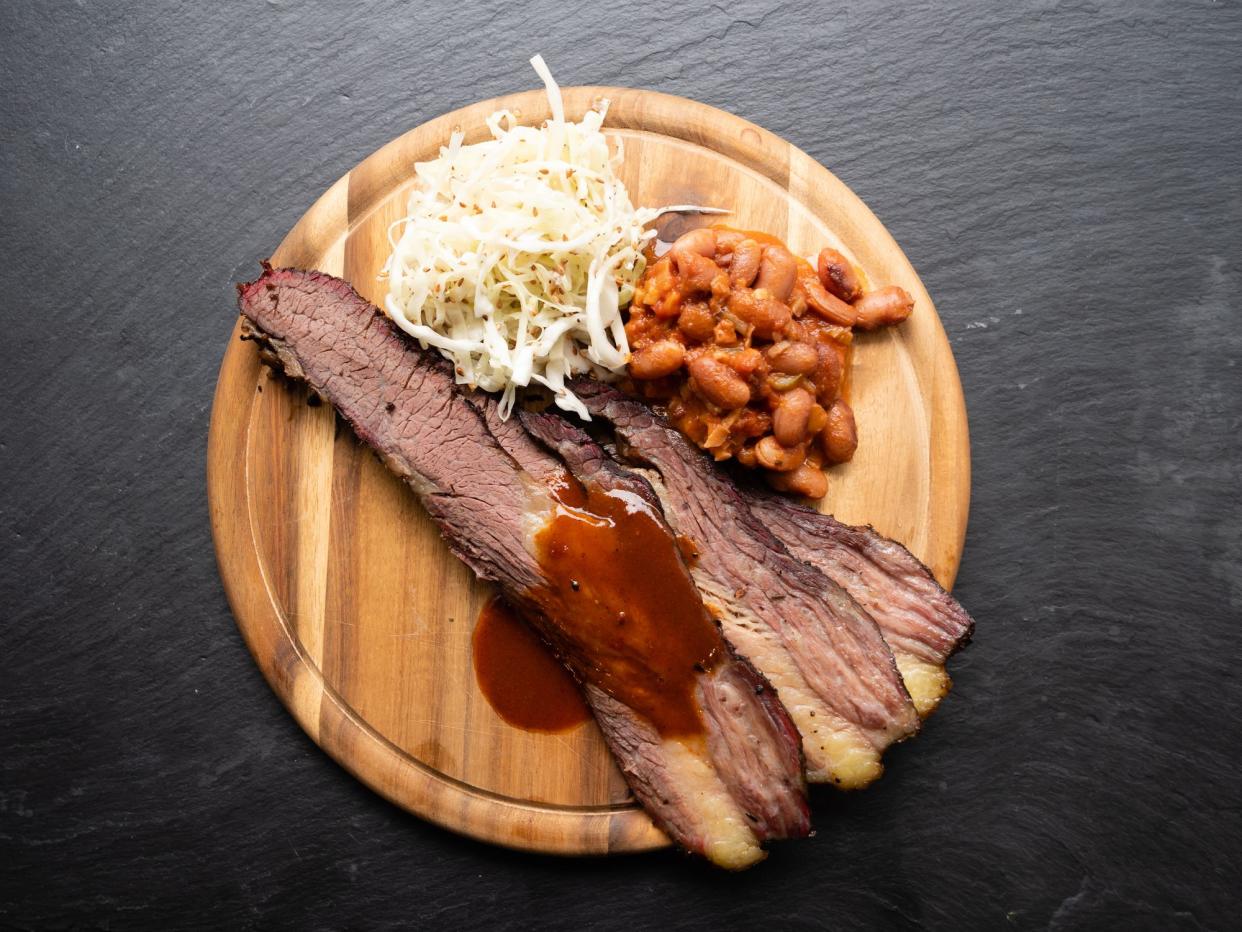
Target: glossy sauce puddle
{"type": "Point", "coordinates": [521, 680]}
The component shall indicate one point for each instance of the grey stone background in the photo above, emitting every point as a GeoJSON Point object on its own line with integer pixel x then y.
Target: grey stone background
{"type": "Point", "coordinates": [1066, 178]}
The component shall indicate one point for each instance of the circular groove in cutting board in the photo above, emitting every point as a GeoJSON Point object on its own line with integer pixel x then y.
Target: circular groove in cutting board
{"type": "Point", "coordinates": [357, 614]}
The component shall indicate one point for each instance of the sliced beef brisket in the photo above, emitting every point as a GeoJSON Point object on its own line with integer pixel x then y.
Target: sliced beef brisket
{"type": "Point", "coordinates": [922, 623]}
{"type": "Point", "coordinates": [728, 696]}
{"type": "Point", "coordinates": [709, 796]}
{"type": "Point", "coordinates": [823, 652]}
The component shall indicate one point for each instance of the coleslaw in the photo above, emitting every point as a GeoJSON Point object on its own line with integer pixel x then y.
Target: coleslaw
{"type": "Point", "coordinates": [518, 253]}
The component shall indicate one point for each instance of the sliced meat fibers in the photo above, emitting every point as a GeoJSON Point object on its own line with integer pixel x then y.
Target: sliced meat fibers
{"type": "Point", "coordinates": [719, 772]}
{"type": "Point", "coordinates": [922, 623]}
{"type": "Point", "coordinates": [745, 738]}
{"type": "Point", "coordinates": [824, 654]}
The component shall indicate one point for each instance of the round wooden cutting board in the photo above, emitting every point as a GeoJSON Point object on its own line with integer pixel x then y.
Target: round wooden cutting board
{"type": "Point", "coordinates": [354, 609]}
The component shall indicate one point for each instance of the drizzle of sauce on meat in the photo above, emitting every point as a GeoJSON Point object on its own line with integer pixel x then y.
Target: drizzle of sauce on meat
{"type": "Point", "coordinates": [618, 581]}
{"type": "Point", "coordinates": [518, 675]}
{"type": "Point", "coordinates": [689, 549]}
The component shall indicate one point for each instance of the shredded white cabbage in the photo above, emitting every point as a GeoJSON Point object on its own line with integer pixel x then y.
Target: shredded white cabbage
{"type": "Point", "coordinates": [519, 253]}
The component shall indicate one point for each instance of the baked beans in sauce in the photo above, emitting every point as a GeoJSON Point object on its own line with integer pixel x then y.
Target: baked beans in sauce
{"type": "Point", "coordinates": [748, 347]}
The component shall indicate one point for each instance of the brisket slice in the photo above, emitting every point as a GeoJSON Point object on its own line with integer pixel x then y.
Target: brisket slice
{"type": "Point", "coordinates": [768, 742]}
{"type": "Point", "coordinates": [401, 401]}
{"type": "Point", "coordinates": [819, 648]}
{"type": "Point", "coordinates": [763, 735]}
{"type": "Point", "coordinates": [922, 623]}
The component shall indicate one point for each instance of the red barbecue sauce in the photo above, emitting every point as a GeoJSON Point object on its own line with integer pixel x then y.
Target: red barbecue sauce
{"type": "Point", "coordinates": [522, 681]}
{"type": "Point", "coordinates": [622, 608]}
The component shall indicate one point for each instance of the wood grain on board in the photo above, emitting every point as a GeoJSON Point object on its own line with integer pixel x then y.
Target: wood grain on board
{"type": "Point", "coordinates": [357, 613]}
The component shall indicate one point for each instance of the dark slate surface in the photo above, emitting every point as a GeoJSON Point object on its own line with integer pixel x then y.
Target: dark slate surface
{"type": "Point", "coordinates": [1066, 178]}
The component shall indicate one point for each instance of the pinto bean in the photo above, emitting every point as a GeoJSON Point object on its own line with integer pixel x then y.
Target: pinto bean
{"type": "Point", "coordinates": [839, 438]}
{"type": "Point", "coordinates": [808, 480]}
{"type": "Point", "coordinates": [792, 358]}
{"type": "Point", "coordinates": [766, 315]}
{"type": "Point", "coordinates": [837, 275]}
{"type": "Point", "coordinates": [696, 321]}
{"type": "Point", "coordinates": [828, 306]}
{"type": "Point", "coordinates": [827, 376]}
{"type": "Point", "coordinates": [817, 419]}
{"type": "Point", "coordinates": [778, 271]}
{"type": "Point", "coordinates": [745, 266]}
{"type": "Point", "coordinates": [881, 308]}
{"type": "Point", "coordinates": [789, 420]}
{"type": "Point", "coordinates": [657, 360]}
{"type": "Point", "coordinates": [771, 455]}
{"type": "Point", "coordinates": [717, 383]}
{"type": "Point", "coordinates": [701, 241]}
{"type": "Point", "coordinates": [695, 271]}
